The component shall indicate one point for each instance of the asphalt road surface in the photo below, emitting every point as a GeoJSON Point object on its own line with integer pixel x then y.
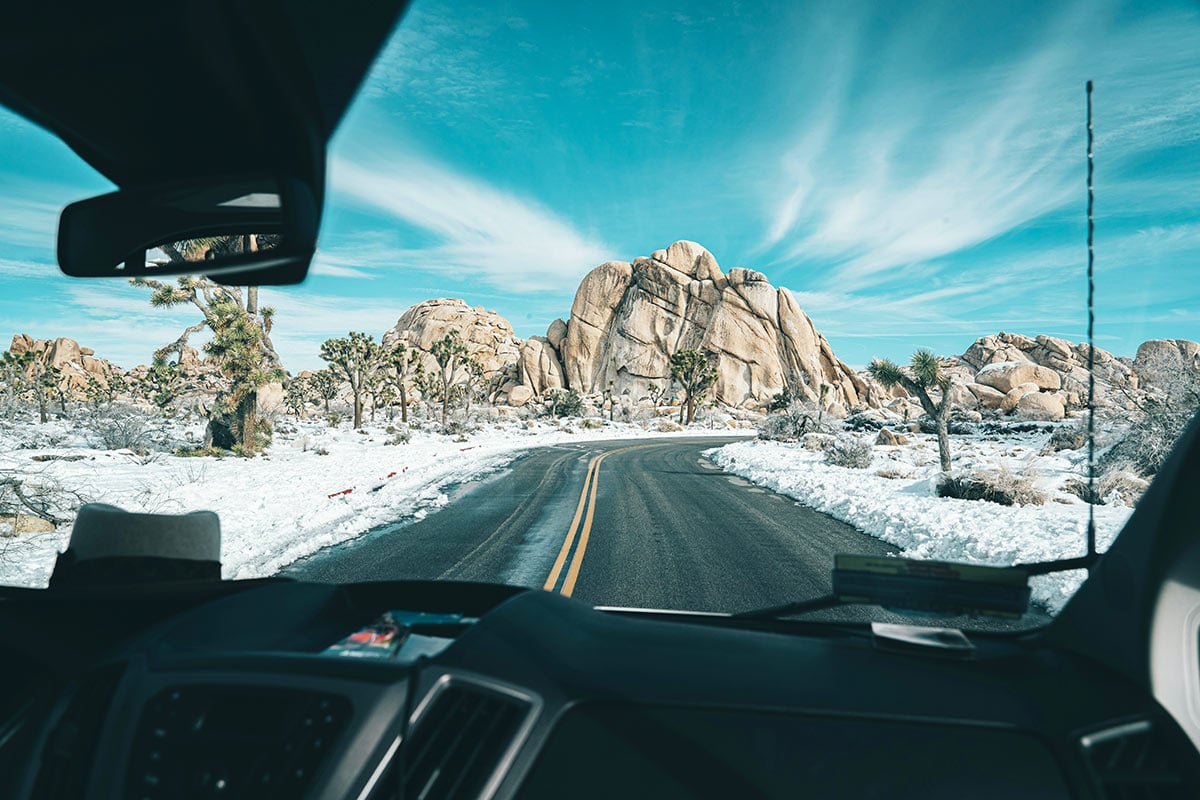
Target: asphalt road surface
{"type": "Point", "coordinates": [616, 523]}
{"type": "Point", "coordinates": [626, 523]}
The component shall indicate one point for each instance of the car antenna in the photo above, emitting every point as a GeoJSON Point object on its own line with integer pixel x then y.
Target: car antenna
{"type": "Point", "coordinates": [1088, 560]}
{"type": "Point", "coordinates": [1091, 324]}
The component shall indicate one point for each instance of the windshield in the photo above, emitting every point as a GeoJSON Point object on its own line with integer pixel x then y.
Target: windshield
{"type": "Point", "coordinates": [654, 306]}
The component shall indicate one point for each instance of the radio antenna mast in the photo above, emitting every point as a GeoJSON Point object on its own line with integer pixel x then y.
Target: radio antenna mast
{"type": "Point", "coordinates": [1091, 323]}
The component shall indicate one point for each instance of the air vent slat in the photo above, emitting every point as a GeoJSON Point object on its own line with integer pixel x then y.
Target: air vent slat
{"type": "Point", "coordinates": [1133, 761]}
{"type": "Point", "coordinates": [460, 741]}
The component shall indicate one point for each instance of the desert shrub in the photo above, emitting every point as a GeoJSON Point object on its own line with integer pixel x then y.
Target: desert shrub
{"type": "Point", "coordinates": [564, 403]}
{"type": "Point", "coordinates": [459, 428]}
{"type": "Point", "coordinates": [591, 424]}
{"type": "Point", "coordinates": [1007, 428]}
{"type": "Point", "coordinates": [333, 420]}
{"type": "Point", "coordinates": [893, 473]}
{"type": "Point", "coordinates": [850, 452]}
{"type": "Point", "coordinates": [120, 428]}
{"type": "Point", "coordinates": [200, 452]}
{"type": "Point", "coordinates": [789, 425]}
{"type": "Point", "coordinates": [818, 442]}
{"type": "Point", "coordinates": [400, 437]}
{"type": "Point", "coordinates": [782, 400]}
{"type": "Point", "coordinates": [955, 425]}
{"type": "Point", "coordinates": [781, 428]}
{"type": "Point", "coordinates": [1003, 487]}
{"type": "Point", "coordinates": [1080, 489]}
{"type": "Point", "coordinates": [861, 422]}
{"type": "Point", "coordinates": [1145, 446]}
{"type": "Point", "coordinates": [1121, 487]}
{"type": "Point", "coordinates": [669, 426]}
{"type": "Point", "coordinates": [1067, 437]}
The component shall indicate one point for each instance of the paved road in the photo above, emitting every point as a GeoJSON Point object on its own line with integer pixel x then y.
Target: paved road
{"type": "Point", "coordinates": [624, 523]}
{"type": "Point", "coordinates": [646, 524]}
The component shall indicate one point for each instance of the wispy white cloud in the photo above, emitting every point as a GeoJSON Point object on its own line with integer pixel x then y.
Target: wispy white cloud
{"type": "Point", "coordinates": [893, 170]}
{"type": "Point", "coordinates": [480, 230]}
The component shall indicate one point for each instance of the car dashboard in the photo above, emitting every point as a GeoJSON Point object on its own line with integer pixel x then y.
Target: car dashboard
{"type": "Point", "coordinates": [527, 694]}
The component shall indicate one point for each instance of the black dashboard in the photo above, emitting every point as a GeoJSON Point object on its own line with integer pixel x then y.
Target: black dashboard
{"type": "Point", "coordinates": [230, 691]}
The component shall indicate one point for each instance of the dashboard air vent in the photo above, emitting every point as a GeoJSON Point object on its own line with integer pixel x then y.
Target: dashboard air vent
{"type": "Point", "coordinates": [460, 742]}
{"type": "Point", "coordinates": [70, 749]}
{"type": "Point", "coordinates": [233, 741]}
{"type": "Point", "coordinates": [1133, 761]}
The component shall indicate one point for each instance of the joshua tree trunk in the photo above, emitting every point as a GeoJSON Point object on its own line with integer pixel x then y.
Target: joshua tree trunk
{"type": "Point", "coordinates": [691, 408]}
{"type": "Point", "coordinates": [40, 388]}
{"type": "Point", "coordinates": [358, 409]}
{"type": "Point", "coordinates": [248, 409]}
{"type": "Point", "coordinates": [403, 403]}
{"type": "Point", "coordinates": [943, 431]}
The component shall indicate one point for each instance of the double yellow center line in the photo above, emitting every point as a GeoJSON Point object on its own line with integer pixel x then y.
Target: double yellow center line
{"type": "Point", "coordinates": [587, 503]}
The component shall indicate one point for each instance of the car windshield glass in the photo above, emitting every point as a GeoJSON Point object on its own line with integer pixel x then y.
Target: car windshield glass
{"type": "Point", "coordinates": [653, 305]}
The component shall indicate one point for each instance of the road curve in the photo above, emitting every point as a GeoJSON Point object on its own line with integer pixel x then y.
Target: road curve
{"type": "Point", "coordinates": [625, 523]}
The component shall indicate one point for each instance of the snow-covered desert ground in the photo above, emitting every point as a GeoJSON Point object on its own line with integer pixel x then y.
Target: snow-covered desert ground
{"type": "Point", "coordinates": [895, 500]}
{"type": "Point", "coordinates": [281, 506]}
{"type": "Point", "coordinates": [293, 500]}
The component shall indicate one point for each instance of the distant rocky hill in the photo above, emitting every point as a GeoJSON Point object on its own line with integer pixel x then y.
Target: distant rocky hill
{"type": "Point", "coordinates": [76, 363]}
{"type": "Point", "coordinates": [627, 319]}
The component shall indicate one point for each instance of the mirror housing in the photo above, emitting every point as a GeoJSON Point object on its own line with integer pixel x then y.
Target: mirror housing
{"type": "Point", "coordinates": [194, 227]}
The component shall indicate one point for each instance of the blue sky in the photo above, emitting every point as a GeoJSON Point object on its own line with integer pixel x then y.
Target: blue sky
{"type": "Point", "coordinates": [913, 172]}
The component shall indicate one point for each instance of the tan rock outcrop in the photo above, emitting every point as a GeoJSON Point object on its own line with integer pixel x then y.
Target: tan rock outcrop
{"type": "Point", "coordinates": [628, 318]}
{"type": "Point", "coordinates": [489, 337]}
{"type": "Point", "coordinates": [1040, 406]}
{"type": "Point", "coordinates": [556, 334]}
{"type": "Point", "coordinates": [1007, 375]}
{"type": "Point", "coordinates": [1067, 359]}
{"type": "Point", "coordinates": [988, 397]}
{"type": "Point", "coordinates": [538, 366]}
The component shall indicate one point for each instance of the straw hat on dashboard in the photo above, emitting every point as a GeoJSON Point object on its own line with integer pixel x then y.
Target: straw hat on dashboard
{"type": "Point", "coordinates": [116, 547]}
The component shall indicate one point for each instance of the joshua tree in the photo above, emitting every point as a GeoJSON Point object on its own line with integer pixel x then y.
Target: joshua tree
{"type": "Point", "coordinates": [326, 385]}
{"type": "Point", "coordinates": [405, 362]}
{"type": "Point", "coordinates": [926, 374]}
{"type": "Point", "coordinates": [696, 372]}
{"type": "Point", "coordinates": [297, 392]}
{"type": "Point", "coordinates": [161, 383]}
{"type": "Point", "coordinates": [14, 371]}
{"type": "Point", "coordinates": [450, 353]}
{"type": "Point", "coordinates": [353, 359]}
{"type": "Point", "coordinates": [241, 337]}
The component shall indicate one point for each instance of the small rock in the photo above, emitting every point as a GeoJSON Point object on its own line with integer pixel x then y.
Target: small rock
{"type": "Point", "coordinates": [888, 439]}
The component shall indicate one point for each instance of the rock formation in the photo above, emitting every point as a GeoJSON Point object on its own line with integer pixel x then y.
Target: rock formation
{"type": "Point", "coordinates": [628, 318]}
{"type": "Point", "coordinates": [74, 363]}
{"type": "Point", "coordinates": [488, 336]}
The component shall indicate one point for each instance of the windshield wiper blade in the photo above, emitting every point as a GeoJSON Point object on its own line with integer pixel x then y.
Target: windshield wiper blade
{"type": "Point", "coordinates": [794, 609]}
{"type": "Point", "coordinates": [922, 586]}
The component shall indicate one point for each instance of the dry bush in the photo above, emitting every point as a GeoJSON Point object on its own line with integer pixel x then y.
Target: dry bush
{"type": "Point", "coordinates": [1003, 487]}
{"type": "Point", "coordinates": [850, 452]}
{"type": "Point", "coordinates": [1068, 437]}
{"type": "Point", "coordinates": [893, 473]}
{"type": "Point", "coordinates": [121, 427]}
{"type": "Point", "coordinates": [793, 423]}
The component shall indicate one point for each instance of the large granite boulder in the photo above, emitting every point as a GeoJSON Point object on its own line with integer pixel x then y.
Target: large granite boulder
{"type": "Point", "coordinates": [629, 317]}
{"type": "Point", "coordinates": [488, 336]}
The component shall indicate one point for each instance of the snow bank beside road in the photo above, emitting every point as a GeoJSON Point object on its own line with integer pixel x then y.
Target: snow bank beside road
{"type": "Point", "coordinates": [278, 507]}
{"type": "Point", "coordinates": [907, 513]}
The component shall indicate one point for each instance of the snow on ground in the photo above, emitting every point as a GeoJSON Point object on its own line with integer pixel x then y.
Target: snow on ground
{"type": "Point", "coordinates": [903, 509]}
{"type": "Point", "coordinates": [278, 507]}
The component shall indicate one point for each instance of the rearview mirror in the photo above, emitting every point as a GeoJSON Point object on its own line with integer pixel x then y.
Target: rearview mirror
{"type": "Point", "coordinates": [245, 230]}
